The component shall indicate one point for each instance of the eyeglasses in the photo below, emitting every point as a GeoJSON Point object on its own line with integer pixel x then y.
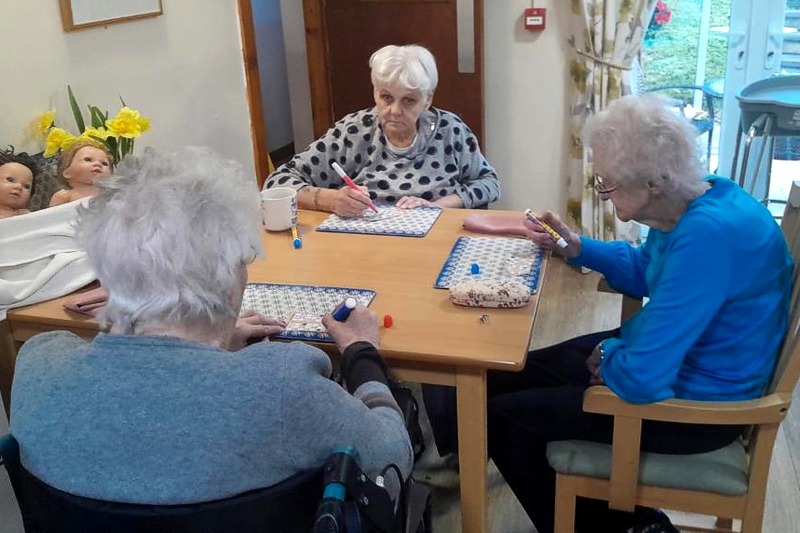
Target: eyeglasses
{"type": "Point", "coordinates": [601, 187]}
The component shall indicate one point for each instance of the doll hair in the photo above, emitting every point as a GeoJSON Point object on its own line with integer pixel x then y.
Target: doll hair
{"type": "Point", "coordinates": [22, 158]}
{"type": "Point", "coordinates": [69, 154]}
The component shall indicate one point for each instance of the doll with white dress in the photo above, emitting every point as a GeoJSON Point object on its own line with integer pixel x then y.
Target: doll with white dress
{"type": "Point", "coordinates": [80, 165]}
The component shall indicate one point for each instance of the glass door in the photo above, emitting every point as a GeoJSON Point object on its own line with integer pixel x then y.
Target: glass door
{"type": "Point", "coordinates": [760, 42]}
{"type": "Point", "coordinates": [702, 52]}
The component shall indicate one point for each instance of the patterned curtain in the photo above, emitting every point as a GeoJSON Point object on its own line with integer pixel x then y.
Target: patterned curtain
{"type": "Point", "coordinates": [607, 36]}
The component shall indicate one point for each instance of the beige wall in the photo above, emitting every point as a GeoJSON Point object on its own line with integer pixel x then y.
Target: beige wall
{"type": "Point", "coordinates": [184, 70]}
{"type": "Point", "coordinates": [526, 103]}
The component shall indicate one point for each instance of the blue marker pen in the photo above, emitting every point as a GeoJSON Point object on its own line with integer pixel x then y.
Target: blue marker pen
{"type": "Point", "coordinates": [342, 310]}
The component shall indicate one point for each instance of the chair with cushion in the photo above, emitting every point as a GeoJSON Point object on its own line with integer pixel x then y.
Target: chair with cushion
{"type": "Point", "coordinates": [288, 507]}
{"type": "Point", "coordinates": [729, 483]}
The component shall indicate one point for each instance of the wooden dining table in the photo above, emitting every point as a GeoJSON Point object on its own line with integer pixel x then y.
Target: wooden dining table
{"type": "Point", "coordinates": [430, 340]}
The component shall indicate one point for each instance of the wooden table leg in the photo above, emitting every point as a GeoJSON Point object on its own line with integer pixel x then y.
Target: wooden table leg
{"type": "Point", "coordinates": [8, 357]}
{"type": "Point", "coordinates": [472, 452]}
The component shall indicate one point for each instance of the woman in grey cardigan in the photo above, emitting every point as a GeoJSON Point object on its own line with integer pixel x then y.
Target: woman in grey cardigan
{"type": "Point", "coordinates": [402, 151]}
{"type": "Point", "coordinates": [170, 407]}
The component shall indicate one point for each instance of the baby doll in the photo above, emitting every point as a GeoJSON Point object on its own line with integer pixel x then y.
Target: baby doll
{"type": "Point", "coordinates": [16, 182]}
{"type": "Point", "coordinates": [80, 164]}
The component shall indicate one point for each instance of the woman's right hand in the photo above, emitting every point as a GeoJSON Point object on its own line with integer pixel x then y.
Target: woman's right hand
{"type": "Point", "coordinates": [361, 325]}
{"type": "Point", "coordinates": [347, 202]}
{"type": "Point", "coordinates": [544, 240]}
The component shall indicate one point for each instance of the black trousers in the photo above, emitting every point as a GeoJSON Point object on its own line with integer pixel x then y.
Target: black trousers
{"type": "Point", "coordinates": [544, 403]}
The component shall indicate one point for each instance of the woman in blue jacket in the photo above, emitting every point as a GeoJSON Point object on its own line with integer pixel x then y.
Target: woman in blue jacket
{"type": "Point", "coordinates": [717, 274]}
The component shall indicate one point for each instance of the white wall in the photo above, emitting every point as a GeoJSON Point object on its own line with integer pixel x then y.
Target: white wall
{"type": "Point", "coordinates": [184, 70]}
{"type": "Point", "coordinates": [526, 98]}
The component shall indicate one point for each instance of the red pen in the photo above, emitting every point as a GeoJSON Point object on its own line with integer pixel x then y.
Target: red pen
{"type": "Point", "coordinates": [352, 184]}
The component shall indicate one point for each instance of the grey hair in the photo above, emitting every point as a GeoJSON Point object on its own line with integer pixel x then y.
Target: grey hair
{"type": "Point", "coordinates": [412, 66]}
{"type": "Point", "coordinates": [641, 139]}
{"type": "Point", "coordinates": [167, 236]}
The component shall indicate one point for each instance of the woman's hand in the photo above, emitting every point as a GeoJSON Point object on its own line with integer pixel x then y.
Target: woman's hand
{"type": "Point", "coordinates": [543, 239]}
{"type": "Point", "coordinates": [347, 202]}
{"type": "Point", "coordinates": [361, 325]}
{"type": "Point", "coordinates": [410, 202]}
{"type": "Point", "coordinates": [593, 366]}
{"type": "Point", "coordinates": [253, 325]}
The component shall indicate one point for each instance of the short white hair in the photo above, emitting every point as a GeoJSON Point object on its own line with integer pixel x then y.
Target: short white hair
{"type": "Point", "coordinates": [167, 236]}
{"type": "Point", "coordinates": [642, 139]}
{"type": "Point", "coordinates": [412, 66]}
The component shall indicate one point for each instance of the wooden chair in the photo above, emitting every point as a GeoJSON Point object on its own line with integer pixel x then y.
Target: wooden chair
{"type": "Point", "coordinates": [728, 483]}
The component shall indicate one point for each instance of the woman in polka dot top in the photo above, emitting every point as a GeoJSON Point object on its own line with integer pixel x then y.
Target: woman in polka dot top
{"type": "Point", "coordinates": [401, 152]}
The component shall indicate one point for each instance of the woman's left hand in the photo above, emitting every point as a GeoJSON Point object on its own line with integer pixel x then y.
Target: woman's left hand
{"type": "Point", "coordinates": [253, 325]}
{"type": "Point", "coordinates": [410, 202]}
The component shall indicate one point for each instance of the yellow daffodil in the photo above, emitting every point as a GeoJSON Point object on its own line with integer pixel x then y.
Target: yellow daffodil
{"type": "Point", "coordinates": [95, 133]}
{"type": "Point", "coordinates": [118, 134]}
{"type": "Point", "coordinates": [36, 130]}
{"type": "Point", "coordinates": [45, 122]}
{"type": "Point", "coordinates": [128, 124]}
{"type": "Point", "coordinates": [58, 139]}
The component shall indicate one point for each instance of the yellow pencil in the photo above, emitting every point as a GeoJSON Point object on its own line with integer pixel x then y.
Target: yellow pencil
{"type": "Point", "coordinates": [296, 238]}
{"type": "Point", "coordinates": [553, 233]}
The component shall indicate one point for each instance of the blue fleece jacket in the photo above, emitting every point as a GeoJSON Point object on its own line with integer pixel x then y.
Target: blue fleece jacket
{"type": "Point", "coordinates": [719, 286]}
{"type": "Point", "coordinates": [159, 420]}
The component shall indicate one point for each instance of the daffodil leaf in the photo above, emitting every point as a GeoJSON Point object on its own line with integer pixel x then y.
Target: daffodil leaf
{"type": "Point", "coordinates": [112, 144]}
{"type": "Point", "coordinates": [98, 118]}
{"type": "Point", "coordinates": [76, 110]}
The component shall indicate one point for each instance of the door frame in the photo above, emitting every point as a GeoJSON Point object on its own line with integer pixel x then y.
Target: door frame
{"type": "Point", "coordinates": [318, 72]}
{"type": "Point", "coordinates": [319, 79]}
{"type": "Point", "coordinates": [255, 104]}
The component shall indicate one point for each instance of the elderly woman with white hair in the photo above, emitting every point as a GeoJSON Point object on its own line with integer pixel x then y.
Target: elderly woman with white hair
{"type": "Point", "coordinates": [160, 410]}
{"type": "Point", "coordinates": [401, 152]}
{"type": "Point", "coordinates": [717, 272]}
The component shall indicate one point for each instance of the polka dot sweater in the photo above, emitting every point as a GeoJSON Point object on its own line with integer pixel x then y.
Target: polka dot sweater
{"type": "Point", "coordinates": [444, 160]}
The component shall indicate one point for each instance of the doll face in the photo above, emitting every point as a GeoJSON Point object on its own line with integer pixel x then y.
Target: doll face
{"type": "Point", "coordinates": [88, 163]}
{"type": "Point", "coordinates": [15, 186]}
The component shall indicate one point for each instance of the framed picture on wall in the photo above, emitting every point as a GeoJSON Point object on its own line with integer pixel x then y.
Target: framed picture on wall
{"type": "Point", "coordinates": [79, 14]}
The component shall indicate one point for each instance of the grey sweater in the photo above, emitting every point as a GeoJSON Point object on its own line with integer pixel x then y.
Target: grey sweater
{"type": "Point", "coordinates": [163, 421]}
{"type": "Point", "coordinates": [444, 160]}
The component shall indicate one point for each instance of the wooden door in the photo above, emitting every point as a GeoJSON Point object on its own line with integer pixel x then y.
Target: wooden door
{"type": "Point", "coordinates": [341, 35]}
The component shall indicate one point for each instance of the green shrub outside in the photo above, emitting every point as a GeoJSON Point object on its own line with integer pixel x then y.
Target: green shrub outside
{"type": "Point", "coordinates": [670, 56]}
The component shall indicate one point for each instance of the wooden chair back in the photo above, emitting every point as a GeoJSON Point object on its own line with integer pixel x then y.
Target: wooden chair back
{"type": "Point", "coordinates": [787, 369]}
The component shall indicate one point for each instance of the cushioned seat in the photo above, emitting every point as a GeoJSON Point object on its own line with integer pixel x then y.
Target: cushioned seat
{"type": "Point", "coordinates": [722, 471]}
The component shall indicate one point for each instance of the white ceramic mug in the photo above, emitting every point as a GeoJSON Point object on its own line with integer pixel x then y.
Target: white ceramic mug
{"type": "Point", "coordinates": [279, 208]}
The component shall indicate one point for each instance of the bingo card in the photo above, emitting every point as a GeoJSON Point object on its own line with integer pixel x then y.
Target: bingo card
{"type": "Point", "coordinates": [300, 306]}
{"type": "Point", "coordinates": [497, 259]}
{"type": "Point", "coordinates": [387, 221]}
